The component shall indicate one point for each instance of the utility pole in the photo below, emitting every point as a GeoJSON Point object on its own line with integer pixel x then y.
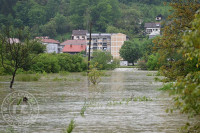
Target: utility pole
{"type": "Point", "coordinates": [89, 46]}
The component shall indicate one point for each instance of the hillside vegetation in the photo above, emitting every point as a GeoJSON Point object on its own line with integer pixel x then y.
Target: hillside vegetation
{"type": "Point", "coordinates": [57, 18]}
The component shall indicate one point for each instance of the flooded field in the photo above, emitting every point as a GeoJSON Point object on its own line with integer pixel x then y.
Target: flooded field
{"type": "Point", "coordinates": [125, 101]}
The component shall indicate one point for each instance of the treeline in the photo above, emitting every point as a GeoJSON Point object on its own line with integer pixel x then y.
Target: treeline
{"type": "Point", "coordinates": [57, 18]}
{"type": "Point", "coordinates": [51, 63]}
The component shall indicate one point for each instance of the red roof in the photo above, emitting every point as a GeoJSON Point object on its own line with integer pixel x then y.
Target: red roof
{"type": "Point", "coordinates": [49, 41]}
{"type": "Point", "coordinates": [74, 42]}
{"type": "Point", "coordinates": [74, 48]}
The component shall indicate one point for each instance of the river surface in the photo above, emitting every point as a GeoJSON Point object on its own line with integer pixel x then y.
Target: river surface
{"type": "Point", "coordinates": [115, 105]}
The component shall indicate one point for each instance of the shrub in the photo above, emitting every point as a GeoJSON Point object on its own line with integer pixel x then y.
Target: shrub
{"type": "Point", "coordinates": [95, 75]}
{"type": "Point", "coordinates": [102, 59]}
{"type": "Point", "coordinates": [166, 87]}
{"type": "Point", "coordinates": [152, 63]}
{"type": "Point", "coordinates": [46, 62]}
{"type": "Point", "coordinates": [53, 63]}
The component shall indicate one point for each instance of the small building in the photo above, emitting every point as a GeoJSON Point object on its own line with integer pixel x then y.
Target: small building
{"type": "Point", "coordinates": [52, 46]}
{"type": "Point", "coordinates": [79, 34]}
{"type": "Point", "coordinates": [159, 17]}
{"type": "Point", "coordinates": [123, 63]}
{"type": "Point", "coordinates": [152, 27]}
{"type": "Point", "coordinates": [74, 49]}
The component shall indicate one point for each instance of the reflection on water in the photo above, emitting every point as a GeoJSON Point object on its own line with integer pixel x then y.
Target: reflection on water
{"type": "Point", "coordinates": [108, 110]}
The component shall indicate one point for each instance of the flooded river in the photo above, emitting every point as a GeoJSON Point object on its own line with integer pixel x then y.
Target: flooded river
{"type": "Point", "coordinates": [125, 101]}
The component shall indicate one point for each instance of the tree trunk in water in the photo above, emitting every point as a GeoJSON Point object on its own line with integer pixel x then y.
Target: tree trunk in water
{"type": "Point", "coordinates": [13, 79]}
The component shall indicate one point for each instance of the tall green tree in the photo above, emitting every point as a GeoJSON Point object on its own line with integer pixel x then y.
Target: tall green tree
{"type": "Point", "coordinates": [187, 87]}
{"type": "Point", "coordinates": [170, 43]}
{"type": "Point", "coordinates": [104, 13]}
{"type": "Point", "coordinates": [16, 50]}
{"type": "Point", "coordinates": [130, 51]}
{"type": "Point", "coordinates": [101, 59]}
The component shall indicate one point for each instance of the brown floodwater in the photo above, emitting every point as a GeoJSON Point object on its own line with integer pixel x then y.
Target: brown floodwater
{"type": "Point", "coordinates": [115, 105]}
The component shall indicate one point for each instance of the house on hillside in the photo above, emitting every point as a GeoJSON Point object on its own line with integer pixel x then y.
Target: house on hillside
{"type": "Point", "coordinates": [52, 46]}
{"type": "Point", "coordinates": [74, 49]}
{"type": "Point", "coordinates": [159, 17]}
{"type": "Point", "coordinates": [79, 34]}
{"type": "Point", "coordinates": [152, 27]}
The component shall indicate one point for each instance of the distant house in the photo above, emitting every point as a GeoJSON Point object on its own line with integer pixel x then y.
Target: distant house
{"type": "Point", "coordinates": [159, 17]}
{"type": "Point", "coordinates": [152, 27]}
{"type": "Point", "coordinates": [79, 34]}
{"type": "Point", "coordinates": [74, 49]}
{"type": "Point", "coordinates": [52, 46]}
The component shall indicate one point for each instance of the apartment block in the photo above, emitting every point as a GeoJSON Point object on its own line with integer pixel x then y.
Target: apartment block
{"type": "Point", "coordinates": [99, 41]}
{"type": "Point", "coordinates": [117, 40]}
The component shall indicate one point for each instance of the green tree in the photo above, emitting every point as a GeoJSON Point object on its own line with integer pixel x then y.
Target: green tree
{"type": "Point", "coordinates": [170, 43]}
{"type": "Point", "coordinates": [104, 13]}
{"type": "Point", "coordinates": [15, 53]}
{"type": "Point", "coordinates": [102, 58]}
{"type": "Point", "coordinates": [36, 15]}
{"type": "Point", "coordinates": [49, 29]}
{"type": "Point", "coordinates": [130, 51]}
{"type": "Point", "coordinates": [187, 88]}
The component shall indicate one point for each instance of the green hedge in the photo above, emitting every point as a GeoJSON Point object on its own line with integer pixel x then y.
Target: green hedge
{"type": "Point", "coordinates": [53, 63]}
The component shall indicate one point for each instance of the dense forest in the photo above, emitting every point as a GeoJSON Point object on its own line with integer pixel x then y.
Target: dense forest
{"type": "Point", "coordinates": [57, 18]}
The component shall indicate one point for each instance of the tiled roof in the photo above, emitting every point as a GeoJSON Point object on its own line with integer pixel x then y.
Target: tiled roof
{"type": "Point", "coordinates": [49, 41]}
{"type": "Point", "coordinates": [79, 32]}
{"type": "Point", "coordinates": [152, 25]}
{"type": "Point", "coordinates": [74, 48]}
{"type": "Point", "coordinates": [74, 42]}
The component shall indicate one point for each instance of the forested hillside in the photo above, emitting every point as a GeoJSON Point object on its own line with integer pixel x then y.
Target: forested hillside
{"type": "Point", "coordinates": [57, 18]}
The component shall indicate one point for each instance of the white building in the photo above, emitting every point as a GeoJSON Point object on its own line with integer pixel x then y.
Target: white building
{"type": "Point", "coordinates": [79, 34]}
{"type": "Point", "coordinates": [152, 27]}
{"type": "Point", "coordinates": [52, 46]}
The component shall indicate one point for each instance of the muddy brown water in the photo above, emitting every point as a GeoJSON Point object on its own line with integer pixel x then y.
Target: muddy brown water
{"type": "Point", "coordinates": [110, 105]}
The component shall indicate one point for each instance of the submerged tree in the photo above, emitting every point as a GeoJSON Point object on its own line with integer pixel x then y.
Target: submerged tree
{"type": "Point", "coordinates": [16, 50]}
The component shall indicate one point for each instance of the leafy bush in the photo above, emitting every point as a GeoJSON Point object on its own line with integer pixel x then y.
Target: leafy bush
{"type": "Point", "coordinates": [46, 62]}
{"type": "Point", "coordinates": [53, 63]}
{"type": "Point", "coordinates": [103, 60]}
{"type": "Point", "coordinates": [94, 74]}
{"type": "Point", "coordinates": [152, 63]}
{"type": "Point", "coordinates": [166, 87]}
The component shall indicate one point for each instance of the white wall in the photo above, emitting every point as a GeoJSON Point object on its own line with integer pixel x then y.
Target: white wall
{"type": "Point", "coordinates": [51, 47]}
